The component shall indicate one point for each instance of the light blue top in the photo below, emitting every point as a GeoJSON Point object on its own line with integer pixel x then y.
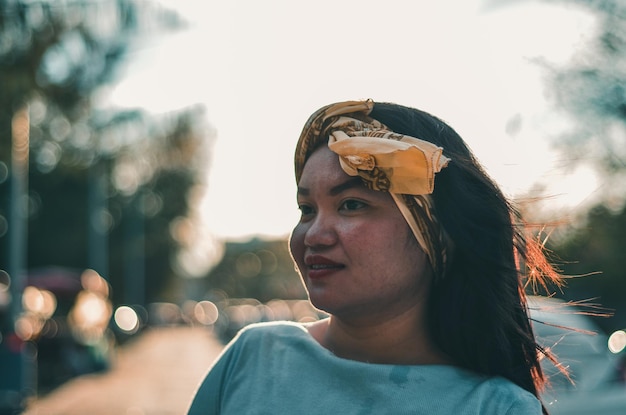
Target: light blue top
{"type": "Point", "coordinates": [278, 368]}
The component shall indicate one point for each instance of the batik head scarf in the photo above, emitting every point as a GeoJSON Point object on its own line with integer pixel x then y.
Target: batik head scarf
{"type": "Point", "coordinates": [399, 164]}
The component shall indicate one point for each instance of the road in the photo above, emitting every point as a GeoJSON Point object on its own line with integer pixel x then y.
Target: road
{"type": "Point", "coordinates": [155, 374]}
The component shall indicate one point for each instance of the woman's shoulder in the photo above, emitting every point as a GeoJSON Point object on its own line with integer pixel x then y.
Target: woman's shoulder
{"type": "Point", "coordinates": [273, 329]}
{"type": "Point", "coordinates": [285, 338]}
{"type": "Point", "coordinates": [500, 393]}
{"type": "Point", "coordinates": [487, 384]}
{"type": "Point", "coordinates": [470, 392]}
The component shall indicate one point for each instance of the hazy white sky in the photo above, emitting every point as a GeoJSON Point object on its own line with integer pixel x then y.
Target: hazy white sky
{"type": "Point", "coordinates": [261, 67]}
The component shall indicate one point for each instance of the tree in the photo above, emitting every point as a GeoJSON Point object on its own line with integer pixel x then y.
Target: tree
{"type": "Point", "coordinates": [125, 175]}
{"type": "Point", "coordinates": [83, 186]}
{"type": "Point", "coordinates": [591, 89]}
{"type": "Point", "coordinates": [54, 61]}
{"type": "Point", "coordinates": [145, 190]}
{"type": "Point", "coordinates": [597, 273]}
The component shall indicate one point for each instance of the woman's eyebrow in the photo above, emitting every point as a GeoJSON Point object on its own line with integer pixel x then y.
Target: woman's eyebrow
{"type": "Point", "coordinates": [350, 183]}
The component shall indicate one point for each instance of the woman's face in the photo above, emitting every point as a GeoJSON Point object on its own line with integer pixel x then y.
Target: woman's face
{"type": "Point", "coordinates": [354, 250]}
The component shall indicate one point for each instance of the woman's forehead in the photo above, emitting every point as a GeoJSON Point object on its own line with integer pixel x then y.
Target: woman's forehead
{"type": "Point", "coordinates": [323, 171]}
{"type": "Point", "coordinates": [323, 164]}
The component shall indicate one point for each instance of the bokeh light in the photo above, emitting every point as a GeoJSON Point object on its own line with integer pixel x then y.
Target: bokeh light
{"type": "Point", "coordinates": [28, 327]}
{"type": "Point", "coordinates": [248, 265]}
{"type": "Point", "coordinates": [39, 302]}
{"type": "Point", "coordinates": [617, 341]}
{"type": "Point", "coordinates": [280, 310]}
{"type": "Point", "coordinates": [90, 310]}
{"type": "Point", "coordinates": [4, 172]}
{"type": "Point", "coordinates": [89, 318]}
{"type": "Point", "coordinates": [206, 312]}
{"type": "Point", "coordinates": [161, 314]}
{"type": "Point", "coordinates": [92, 281]}
{"type": "Point", "coordinates": [126, 319]}
{"type": "Point", "coordinates": [5, 280]}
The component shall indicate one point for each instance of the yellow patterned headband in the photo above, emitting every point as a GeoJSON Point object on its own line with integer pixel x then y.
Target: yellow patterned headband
{"type": "Point", "coordinates": [402, 165]}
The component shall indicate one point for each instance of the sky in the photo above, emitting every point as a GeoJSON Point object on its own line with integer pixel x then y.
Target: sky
{"type": "Point", "coordinates": [262, 67]}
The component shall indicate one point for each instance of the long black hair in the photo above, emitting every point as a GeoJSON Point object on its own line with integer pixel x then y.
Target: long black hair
{"type": "Point", "coordinates": [477, 311]}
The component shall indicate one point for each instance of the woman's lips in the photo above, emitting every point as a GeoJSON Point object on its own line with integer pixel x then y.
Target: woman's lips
{"type": "Point", "coordinates": [318, 266]}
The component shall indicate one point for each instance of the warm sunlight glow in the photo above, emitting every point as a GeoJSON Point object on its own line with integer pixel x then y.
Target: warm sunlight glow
{"type": "Point", "coordinates": [257, 93]}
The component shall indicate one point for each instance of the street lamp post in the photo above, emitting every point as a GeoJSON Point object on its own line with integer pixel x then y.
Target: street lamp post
{"type": "Point", "coordinates": [22, 381]}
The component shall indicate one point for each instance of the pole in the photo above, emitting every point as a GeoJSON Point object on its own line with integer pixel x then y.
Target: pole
{"type": "Point", "coordinates": [98, 228]}
{"type": "Point", "coordinates": [135, 251]}
{"type": "Point", "coordinates": [22, 363]}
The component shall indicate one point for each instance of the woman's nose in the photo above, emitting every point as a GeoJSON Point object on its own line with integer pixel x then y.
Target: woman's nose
{"type": "Point", "coordinates": [321, 232]}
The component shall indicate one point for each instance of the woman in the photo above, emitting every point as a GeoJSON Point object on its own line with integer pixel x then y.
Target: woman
{"type": "Point", "coordinates": [417, 257]}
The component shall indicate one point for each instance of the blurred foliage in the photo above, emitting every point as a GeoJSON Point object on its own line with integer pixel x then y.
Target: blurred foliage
{"type": "Point", "coordinates": [260, 269]}
{"type": "Point", "coordinates": [597, 273]}
{"type": "Point", "coordinates": [120, 177]}
{"type": "Point", "coordinates": [591, 90]}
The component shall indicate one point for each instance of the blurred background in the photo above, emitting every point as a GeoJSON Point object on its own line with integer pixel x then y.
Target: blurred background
{"type": "Point", "coordinates": [146, 179]}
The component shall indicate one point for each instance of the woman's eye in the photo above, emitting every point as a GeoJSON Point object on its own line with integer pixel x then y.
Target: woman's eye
{"type": "Point", "coordinates": [352, 204]}
{"type": "Point", "coordinates": [305, 210]}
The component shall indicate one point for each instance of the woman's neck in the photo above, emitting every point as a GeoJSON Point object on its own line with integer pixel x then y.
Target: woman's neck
{"type": "Point", "coordinates": [401, 340]}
